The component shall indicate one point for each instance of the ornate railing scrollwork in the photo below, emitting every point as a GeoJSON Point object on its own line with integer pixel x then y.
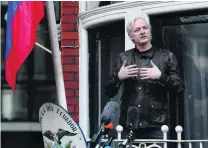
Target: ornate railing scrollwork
{"type": "Point", "coordinates": [156, 143]}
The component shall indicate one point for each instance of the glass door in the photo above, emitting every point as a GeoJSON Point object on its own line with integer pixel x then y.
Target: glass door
{"type": "Point", "coordinates": [105, 44]}
{"type": "Point", "coordinates": [186, 35]}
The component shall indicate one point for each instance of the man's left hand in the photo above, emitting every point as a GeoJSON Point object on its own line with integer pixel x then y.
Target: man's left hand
{"type": "Point", "coordinates": [150, 73]}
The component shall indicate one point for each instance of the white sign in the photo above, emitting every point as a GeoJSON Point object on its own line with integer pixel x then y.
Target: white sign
{"type": "Point", "coordinates": [59, 130]}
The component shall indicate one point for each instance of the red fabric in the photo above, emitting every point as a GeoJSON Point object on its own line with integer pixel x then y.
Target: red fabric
{"type": "Point", "coordinates": [24, 26]}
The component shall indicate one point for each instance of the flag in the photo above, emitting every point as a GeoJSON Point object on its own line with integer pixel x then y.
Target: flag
{"type": "Point", "coordinates": [23, 18]}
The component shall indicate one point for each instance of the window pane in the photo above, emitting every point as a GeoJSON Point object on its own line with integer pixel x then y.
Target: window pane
{"type": "Point", "coordinates": [106, 42]}
{"type": "Point", "coordinates": [195, 47]}
{"type": "Point", "coordinates": [42, 71]}
{"type": "Point", "coordinates": [193, 43]}
{"type": "Point", "coordinates": [14, 105]}
{"type": "Point", "coordinates": [95, 4]}
{"type": "Point", "coordinates": [43, 94]}
{"type": "Point", "coordinates": [3, 43]}
{"type": "Point", "coordinates": [22, 140]}
{"type": "Point", "coordinates": [188, 40]}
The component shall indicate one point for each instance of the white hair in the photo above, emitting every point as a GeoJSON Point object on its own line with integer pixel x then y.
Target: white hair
{"type": "Point", "coordinates": [131, 23]}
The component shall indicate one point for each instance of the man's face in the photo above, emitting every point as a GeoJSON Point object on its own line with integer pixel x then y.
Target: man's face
{"type": "Point", "coordinates": [141, 33]}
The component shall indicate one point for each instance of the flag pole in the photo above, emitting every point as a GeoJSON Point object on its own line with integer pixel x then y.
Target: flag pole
{"type": "Point", "coordinates": [56, 54]}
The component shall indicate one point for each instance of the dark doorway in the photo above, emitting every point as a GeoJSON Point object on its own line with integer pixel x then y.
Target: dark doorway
{"type": "Point", "coordinates": [106, 41]}
{"type": "Point", "coordinates": [186, 35]}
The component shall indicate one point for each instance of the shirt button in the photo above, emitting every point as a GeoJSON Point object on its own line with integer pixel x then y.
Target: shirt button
{"type": "Point", "coordinates": [139, 105]}
{"type": "Point", "coordinates": [140, 88]}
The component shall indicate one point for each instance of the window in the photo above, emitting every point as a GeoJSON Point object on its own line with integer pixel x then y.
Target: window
{"type": "Point", "coordinates": [22, 140]}
{"type": "Point", "coordinates": [185, 34]}
{"type": "Point", "coordinates": [96, 4]}
{"type": "Point", "coordinates": [105, 43]}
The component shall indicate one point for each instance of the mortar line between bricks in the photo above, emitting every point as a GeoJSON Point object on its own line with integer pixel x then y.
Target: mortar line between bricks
{"type": "Point", "coordinates": [68, 23]}
{"type": "Point", "coordinates": [69, 14]}
{"type": "Point", "coordinates": [70, 72]}
{"type": "Point", "coordinates": [72, 81]}
{"type": "Point", "coordinates": [72, 88]}
{"type": "Point", "coordinates": [71, 64]}
{"type": "Point", "coordinates": [69, 6]}
{"type": "Point", "coordinates": [68, 48]}
{"type": "Point", "coordinates": [69, 39]}
{"type": "Point", "coordinates": [70, 32]}
{"type": "Point", "coordinates": [64, 64]}
{"type": "Point", "coordinates": [66, 56]}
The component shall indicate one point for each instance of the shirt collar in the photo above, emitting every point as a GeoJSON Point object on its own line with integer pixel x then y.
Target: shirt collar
{"type": "Point", "coordinates": [145, 54]}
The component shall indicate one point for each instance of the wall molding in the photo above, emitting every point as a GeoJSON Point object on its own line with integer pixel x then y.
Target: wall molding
{"type": "Point", "coordinates": [118, 11]}
{"type": "Point", "coordinates": [20, 127]}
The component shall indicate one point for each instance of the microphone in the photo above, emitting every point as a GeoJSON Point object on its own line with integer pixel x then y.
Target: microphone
{"type": "Point", "coordinates": [129, 139]}
{"type": "Point", "coordinates": [102, 131]}
{"type": "Point", "coordinates": [109, 112]}
{"type": "Point", "coordinates": [99, 141]}
{"type": "Point", "coordinates": [132, 118]}
{"type": "Point", "coordinates": [131, 123]}
{"type": "Point", "coordinates": [112, 134]}
{"type": "Point", "coordinates": [108, 117]}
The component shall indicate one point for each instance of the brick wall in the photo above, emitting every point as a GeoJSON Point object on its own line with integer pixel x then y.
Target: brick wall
{"type": "Point", "coordinates": [70, 56]}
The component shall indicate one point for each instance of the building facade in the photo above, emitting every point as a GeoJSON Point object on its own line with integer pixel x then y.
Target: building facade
{"type": "Point", "coordinates": [177, 26]}
{"type": "Point", "coordinates": [92, 35]}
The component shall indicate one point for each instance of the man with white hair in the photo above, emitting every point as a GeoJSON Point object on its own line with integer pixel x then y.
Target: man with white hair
{"type": "Point", "coordinates": [147, 74]}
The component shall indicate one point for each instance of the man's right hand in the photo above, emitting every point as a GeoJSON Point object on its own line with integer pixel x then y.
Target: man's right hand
{"type": "Point", "coordinates": [128, 71]}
